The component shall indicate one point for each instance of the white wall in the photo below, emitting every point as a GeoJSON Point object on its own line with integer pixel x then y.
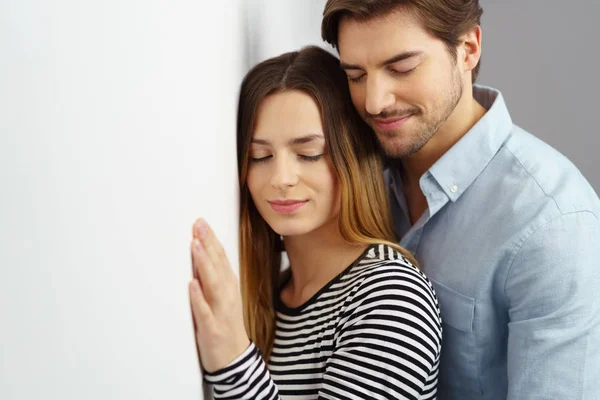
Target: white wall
{"type": "Point", "coordinates": [279, 26]}
{"type": "Point", "coordinates": [117, 122]}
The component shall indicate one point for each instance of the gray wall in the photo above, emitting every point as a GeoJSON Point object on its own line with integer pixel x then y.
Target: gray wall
{"type": "Point", "coordinates": [543, 55]}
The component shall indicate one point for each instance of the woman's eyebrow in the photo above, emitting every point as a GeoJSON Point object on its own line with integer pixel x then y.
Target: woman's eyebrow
{"type": "Point", "coordinates": [295, 141]}
{"type": "Point", "coordinates": [306, 139]}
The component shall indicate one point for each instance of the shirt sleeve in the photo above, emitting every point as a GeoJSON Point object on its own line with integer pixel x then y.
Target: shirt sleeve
{"type": "Point", "coordinates": [554, 312]}
{"type": "Point", "coordinates": [246, 377]}
{"type": "Point", "coordinates": [387, 346]}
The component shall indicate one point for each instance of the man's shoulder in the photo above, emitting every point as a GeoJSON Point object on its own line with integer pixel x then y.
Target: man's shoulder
{"type": "Point", "coordinates": [548, 174]}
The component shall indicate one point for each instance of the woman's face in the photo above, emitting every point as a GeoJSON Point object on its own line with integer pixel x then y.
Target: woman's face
{"type": "Point", "coordinates": [291, 177]}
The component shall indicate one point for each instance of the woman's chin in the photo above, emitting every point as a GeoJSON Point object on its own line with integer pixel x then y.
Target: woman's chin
{"type": "Point", "coordinates": [290, 229]}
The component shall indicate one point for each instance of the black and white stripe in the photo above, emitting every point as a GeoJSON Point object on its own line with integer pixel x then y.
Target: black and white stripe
{"type": "Point", "coordinates": [373, 332]}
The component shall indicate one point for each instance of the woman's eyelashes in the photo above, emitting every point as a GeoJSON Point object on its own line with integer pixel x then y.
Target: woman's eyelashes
{"type": "Point", "coordinates": [356, 79]}
{"type": "Point", "coordinates": [256, 160]}
{"type": "Point", "coordinates": [310, 158]}
{"type": "Point", "coordinates": [302, 157]}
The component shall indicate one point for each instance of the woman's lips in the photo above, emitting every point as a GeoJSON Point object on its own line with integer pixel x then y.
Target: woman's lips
{"type": "Point", "coordinates": [286, 206]}
{"type": "Point", "coordinates": [390, 124]}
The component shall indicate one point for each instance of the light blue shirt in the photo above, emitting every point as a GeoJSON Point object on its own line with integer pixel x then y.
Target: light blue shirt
{"type": "Point", "coordinates": [511, 242]}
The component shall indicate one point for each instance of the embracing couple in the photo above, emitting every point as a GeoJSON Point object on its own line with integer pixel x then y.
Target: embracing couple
{"type": "Point", "coordinates": [436, 249]}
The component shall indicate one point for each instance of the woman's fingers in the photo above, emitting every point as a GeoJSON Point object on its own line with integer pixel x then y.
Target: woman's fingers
{"type": "Point", "coordinates": [204, 268]}
{"type": "Point", "coordinates": [194, 269]}
{"type": "Point", "coordinates": [200, 308]}
{"type": "Point", "coordinates": [212, 268]}
{"type": "Point", "coordinates": [211, 244]}
{"type": "Point", "coordinates": [216, 301]}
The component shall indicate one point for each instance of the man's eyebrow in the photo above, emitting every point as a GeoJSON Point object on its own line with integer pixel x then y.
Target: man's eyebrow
{"type": "Point", "coordinates": [294, 141]}
{"type": "Point", "coordinates": [394, 59]}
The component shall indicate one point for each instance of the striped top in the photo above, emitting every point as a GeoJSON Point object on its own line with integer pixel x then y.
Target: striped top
{"type": "Point", "coordinates": [373, 332]}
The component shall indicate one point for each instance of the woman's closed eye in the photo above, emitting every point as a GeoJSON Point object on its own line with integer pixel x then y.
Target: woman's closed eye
{"type": "Point", "coordinates": [302, 157]}
{"type": "Point", "coordinates": [356, 78]}
{"type": "Point", "coordinates": [310, 158]}
{"type": "Point", "coordinates": [257, 160]}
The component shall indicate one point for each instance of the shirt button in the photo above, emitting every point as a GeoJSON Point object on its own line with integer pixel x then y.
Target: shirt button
{"type": "Point", "coordinates": [453, 188]}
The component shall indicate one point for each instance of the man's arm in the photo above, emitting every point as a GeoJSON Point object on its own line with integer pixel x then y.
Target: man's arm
{"type": "Point", "coordinates": [554, 311]}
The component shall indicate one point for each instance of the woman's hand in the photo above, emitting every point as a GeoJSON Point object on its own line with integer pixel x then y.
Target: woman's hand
{"type": "Point", "coordinates": [216, 302]}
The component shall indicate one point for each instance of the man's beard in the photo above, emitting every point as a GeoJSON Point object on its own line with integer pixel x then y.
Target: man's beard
{"type": "Point", "coordinates": [424, 131]}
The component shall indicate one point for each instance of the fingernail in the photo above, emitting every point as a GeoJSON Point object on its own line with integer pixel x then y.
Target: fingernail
{"type": "Point", "coordinates": [197, 245]}
{"type": "Point", "coordinates": [195, 285]}
{"type": "Point", "coordinates": [201, 228]}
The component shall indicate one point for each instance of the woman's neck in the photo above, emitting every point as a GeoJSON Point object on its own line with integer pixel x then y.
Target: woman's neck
{"type": "Point", "coordinates": [315, 259]}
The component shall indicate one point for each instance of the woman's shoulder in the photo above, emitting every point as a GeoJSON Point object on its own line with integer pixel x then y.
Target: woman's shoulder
{"type": "Point", "coordinates": [384, 268]}
{"type": "Point", "coordinates": [384, 259]}
{"type": "Point", "coordinates": [382, 252]}
{"type": "Point", "coordinates": [388, 287]}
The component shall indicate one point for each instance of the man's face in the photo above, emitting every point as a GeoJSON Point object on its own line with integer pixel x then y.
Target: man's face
{"type": "Point", "coordinates": [403, 80]}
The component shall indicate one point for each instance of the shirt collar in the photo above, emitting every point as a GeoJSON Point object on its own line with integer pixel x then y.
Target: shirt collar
{"type": "Point", "coordinates": [456, 170]}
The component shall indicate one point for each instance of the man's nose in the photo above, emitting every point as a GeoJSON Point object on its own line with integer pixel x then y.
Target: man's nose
{"type": "Point", "coordinates": [378, 97]}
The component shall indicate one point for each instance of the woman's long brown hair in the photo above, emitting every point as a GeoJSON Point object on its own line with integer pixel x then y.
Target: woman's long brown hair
{"type": "Point", "coordinates": [364, 214]}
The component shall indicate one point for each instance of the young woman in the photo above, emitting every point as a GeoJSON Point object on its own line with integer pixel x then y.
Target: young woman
{"type": "Point", "coordinates": [353, 317]}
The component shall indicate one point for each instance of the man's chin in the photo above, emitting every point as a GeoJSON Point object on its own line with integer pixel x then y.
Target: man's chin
{"type": "Point", "coordinates": [390, 143]}
{"type": "Point", "coordinates": [395, 154]}
{"type": "Point", "coordinates": [394, 151]}
{"type": "Point", "coordinates": [395, 148]}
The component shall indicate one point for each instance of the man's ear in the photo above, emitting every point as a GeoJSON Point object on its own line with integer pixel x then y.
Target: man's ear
{"type": "Point", "coordinates": [470, 49]}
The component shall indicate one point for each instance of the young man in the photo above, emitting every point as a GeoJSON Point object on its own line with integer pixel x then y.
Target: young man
{"type": "Point", "coordinates": [505, 226]}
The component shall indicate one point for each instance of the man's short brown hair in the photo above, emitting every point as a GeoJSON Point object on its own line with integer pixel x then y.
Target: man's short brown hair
{"type": "Point", "coordinates": [447, 20]}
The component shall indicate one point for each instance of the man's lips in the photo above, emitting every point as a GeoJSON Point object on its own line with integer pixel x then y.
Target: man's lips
{"type": "Point", "coordinates": [387, 124]}
{"type": "Point", "coordinates": [286, 206]}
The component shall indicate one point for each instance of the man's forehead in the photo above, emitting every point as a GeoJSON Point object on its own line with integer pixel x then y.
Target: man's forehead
{"type": "Point", "coordinates": [380, 39]}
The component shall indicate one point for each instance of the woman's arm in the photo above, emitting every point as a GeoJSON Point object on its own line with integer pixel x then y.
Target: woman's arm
{"type": "Point", "coordinates": [386, 347]}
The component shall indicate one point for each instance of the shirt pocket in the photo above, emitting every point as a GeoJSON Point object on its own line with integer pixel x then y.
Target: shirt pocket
{"type": "Point", "coordinates": [458, 310]}
{"type": "Point", "coordinates": [459, 364]}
